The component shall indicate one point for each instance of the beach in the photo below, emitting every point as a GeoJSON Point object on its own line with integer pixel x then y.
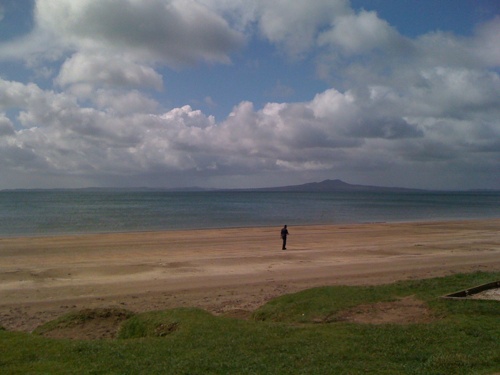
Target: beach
{"type": "Point", "coordinates": [226, 271]}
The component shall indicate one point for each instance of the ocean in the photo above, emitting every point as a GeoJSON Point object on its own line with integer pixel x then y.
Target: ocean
{"type": "Point", "coordinates": [53, 212]}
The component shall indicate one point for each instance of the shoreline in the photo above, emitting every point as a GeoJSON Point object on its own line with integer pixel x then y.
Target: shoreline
{"type": "Point", "coordinates": [92, 233]}
{"type": "Point", "coordinates": [227, 269]}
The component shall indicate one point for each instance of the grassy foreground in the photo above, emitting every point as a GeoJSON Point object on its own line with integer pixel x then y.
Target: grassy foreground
{"type": "Point", "coordinates": [295, 334]}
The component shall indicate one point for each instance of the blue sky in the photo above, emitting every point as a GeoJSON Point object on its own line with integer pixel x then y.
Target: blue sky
{"type": "Point", "coordinates": [239, 93]}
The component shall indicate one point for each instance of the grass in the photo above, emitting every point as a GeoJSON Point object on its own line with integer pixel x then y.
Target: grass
{"type": "Point", "coordinates": [75, 319]}
{"type": "Point", "coordinates": [283, 337]}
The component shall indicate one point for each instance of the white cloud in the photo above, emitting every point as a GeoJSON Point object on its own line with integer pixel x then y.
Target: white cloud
{"type": "Point", "coordinates": [486, 45]}
{"type": "Point", "coordinates": [103, 70]}
{"type": "Point", "coordinates": [292, 25]}
{"type": "Point", "coordinates": [124, 103]}
{"type": "Point", "coordinates": [132, 34]}
{"type": "Point", "coordinates": [296, 24]}
{"type": "Point", "coordinates": [361, 33]}
{"type": "Point", "coordinates": [455, 93]}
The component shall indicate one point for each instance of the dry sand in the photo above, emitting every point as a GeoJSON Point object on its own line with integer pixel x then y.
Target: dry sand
{"type": "Point", "coordinates": [224, 270]}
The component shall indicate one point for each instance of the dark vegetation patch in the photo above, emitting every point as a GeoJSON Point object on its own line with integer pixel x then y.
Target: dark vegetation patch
{"type": "Point", "coordinates": [238, 314]}
{"type": "Point", "coordinates": [163, 323]}
{"type": "Point", "coordinates": [88, 324]}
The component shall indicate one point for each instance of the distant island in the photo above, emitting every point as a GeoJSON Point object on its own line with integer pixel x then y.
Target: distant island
{"type": "Point", "coordinates": [336, 185]}
{"type": "Point", "coordinates": [323, 186]}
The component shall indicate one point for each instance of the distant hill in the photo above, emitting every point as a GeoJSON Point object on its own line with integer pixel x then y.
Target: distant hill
{"type": "Point", "coordinates": [337, 185]}
{"type": "Point", "coordinates": [324, 186]}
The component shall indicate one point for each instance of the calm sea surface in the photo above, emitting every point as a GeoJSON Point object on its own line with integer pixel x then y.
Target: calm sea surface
{"type": "Point", "coordinates": [74, 211]}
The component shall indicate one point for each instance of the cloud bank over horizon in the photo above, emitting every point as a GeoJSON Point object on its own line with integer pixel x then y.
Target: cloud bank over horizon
{"type": "Point", "coordinates": [85, 97]}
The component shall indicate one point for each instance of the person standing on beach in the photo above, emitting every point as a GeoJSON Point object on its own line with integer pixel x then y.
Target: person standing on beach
{"type": "Point", "coordinates": [284, 234]}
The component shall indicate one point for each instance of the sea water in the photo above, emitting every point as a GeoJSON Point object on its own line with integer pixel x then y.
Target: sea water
{"type": "Point", "coordinates": [48, 212]}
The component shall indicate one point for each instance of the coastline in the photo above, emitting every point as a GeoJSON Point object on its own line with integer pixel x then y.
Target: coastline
{"type": "Point", "coordinates": [228, 269]}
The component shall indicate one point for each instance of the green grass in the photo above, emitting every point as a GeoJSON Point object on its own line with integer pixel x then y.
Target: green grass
{"type": "Point", "coordinates": [284, 338]}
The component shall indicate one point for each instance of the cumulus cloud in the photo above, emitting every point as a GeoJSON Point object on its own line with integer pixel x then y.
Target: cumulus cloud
{"type": "Point", "coordinates": [397, 106]}
{"type": "Point", "coordinates": [360, 33]}
{"type": "Point", "coordinates": [485, 44]}
{"type": "Point", "coordinates": [103, 70]}
{"type": "Point", "coordinates": [295, 24]}
{"type": "Point", "coordinates": [457, 92]}
{"type": "Point", "coordinates": [172, 31]}
{"type": "Point", "coordinates": [332, 129]}
{"type": "Point", "coordinates": [6, 127]}
{"type": "Point", "coordinates": [123, 103]}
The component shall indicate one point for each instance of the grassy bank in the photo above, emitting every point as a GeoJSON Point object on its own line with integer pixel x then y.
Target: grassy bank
{"type": "Point", "coordinates": [303, 333]}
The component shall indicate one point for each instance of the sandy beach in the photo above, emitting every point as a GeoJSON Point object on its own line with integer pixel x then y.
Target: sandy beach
{"type": "Point", "coordinates": [226, 270]}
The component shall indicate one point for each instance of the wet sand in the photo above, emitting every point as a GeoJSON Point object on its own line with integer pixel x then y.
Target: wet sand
{"type": "Point", "coordinates": [225, 270]}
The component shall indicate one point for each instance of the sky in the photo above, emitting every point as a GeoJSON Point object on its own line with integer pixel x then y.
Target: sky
{"type": "Point", "coordinates": [249, 93]}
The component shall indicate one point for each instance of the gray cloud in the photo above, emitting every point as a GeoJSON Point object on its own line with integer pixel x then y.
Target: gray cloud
{"type": "Point", "coordinates": [103, 70]}
{"type": "Point", "coordinates": [6, 127]}
{"type": "Point", "coordinates": [173, 31]}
